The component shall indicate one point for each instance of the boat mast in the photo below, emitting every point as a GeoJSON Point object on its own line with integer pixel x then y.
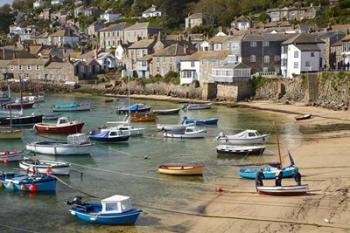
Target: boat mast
{"type": "Point", "coordinates": [278, 143]}
{"type": "Point", "coordinates": [129, 110]}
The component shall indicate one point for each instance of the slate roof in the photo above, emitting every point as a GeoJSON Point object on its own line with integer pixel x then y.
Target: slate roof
{"type": "Point", "coordinates": [142, 44]}
{"type": "Point", "coordinates": [114, 27]}
{"type": "Point", "coordinates": [200, 55]}
{"type": "Point", "coordinates": [308, 47]}
{"type": "Point", "coordinates": [29, 61]}
{"type": "Point", "coordinates": [11, 53]}
{"type": "Point", "coordinates": [64, 32]}
{"type": "Point", "coordinates": [140, 26]}
{"type": "Point", "coordinates": [195, 16]}
{"type": "Point", "coordinates": [177, 49]}
{"type": "Point", "coordinates": [303, 38]}
{"type": "Point", "coordinates": [346, 38]}
{"type": "Point", "coordinates": [266, 37]}
{"type": "Point", "coordinates": [239, 65]}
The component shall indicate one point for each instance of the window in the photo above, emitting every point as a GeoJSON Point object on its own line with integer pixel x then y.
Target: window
{"type": "Point", "coordinates": [296, 54]}
{"type": "Point", "coordinates": [252, 58]}
{"type": "Point", "coordinates": [144, 64]}
{"type": "Point", "coordinates": [284, 62]}
{"type": "Point", "coordinates": [296, 65]}
{"type": "Point", "coordinates": [266, 43]}
{"type": "Point", "coordinates": [277, 58]}
{"type": "Point", "coordinates": [312, 54]}
{"type": "Point", "coordinates": [266, 59]}
{"type": "Point", "coordinates": [307, 64]}
{"type": "Point", "coordinates": [12, 67]}
{"type": "Point", "coordinates": [29, 67]}
{"type": "Point", "coordinates": [192, 63]}
{"type": "Point", "coordinates": [37, 67]}
{"type": "Point", "coordinates": [253, 44]}
{"type": "Point", "coordinates": [158, 59]}
{"type": "Point", "coordinates": [265, 69]}
{"type": "Point", "coordinates": [111, 206]}
{"type": "Point", "coordinates": [20, 67]}
{"type": "Point", "coordinates": [158, 70]}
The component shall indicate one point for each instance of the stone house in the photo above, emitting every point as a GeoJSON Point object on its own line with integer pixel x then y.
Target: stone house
{"type": "Point", "coordinates": [24, 33]}
{"type": "Point", "coordinates": [242, 23]}
{"type": "Point", "coordinates": [301, 53]}
{"type": "Point", "coordinates": [336, 58]}
{"type": "Point", "coordinates": [262, 52]}
{"type": "Point", "coordinates": [168, 58]}
{"type": "Point", "coordinates": [292, 13]}
{"type": "Point", "coordinates": [86, 11]}
{"type": "Point", "coordinates": [111, 35]}
{"type": "Point", "coordinates": [329, 38]}
{"type": "Point", "coordinates": [60, 16]}
{"type": "Point", "coordinates": [63, 37]}
{"type": "Point", "coordinates": [93, 28]}
{"type": "Point", "coordinates": [151, 12]}
{"type": "Point", "coordinates": [197, 67]}
{"type": "Point", "coordinates": [194, 20]}
{"type": "Point", "coordinates": [45, 14]}
{"type": "Point", "coordinates": [140, 31]}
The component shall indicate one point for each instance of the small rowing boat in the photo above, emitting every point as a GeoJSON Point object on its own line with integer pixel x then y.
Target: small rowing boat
{"type": "Point", "coordinates": [291, 190]}
{"type": "Point", "coordinates": [114, 210]}
{"type": "Point", "coordinates": [172, 111]}
{"type": "Point", "coordinates": [143, 117]}
{"type": "Point", "coordinates": [196, 106]}
{"type": "Point", "coordinates": [303, 117]}
{"type": "Point", "coordinates": [71, 107]}
{"type": "Point", "coordinates": [34, 183]}
{"type": "Point", "coordinates": [240, 150]}
{"type": "Point", "coordinates": [45, 166]}
{"type": "Point", "coordinates": [11, 155]}
{"type": "Point", "coordinates": [181, 169]}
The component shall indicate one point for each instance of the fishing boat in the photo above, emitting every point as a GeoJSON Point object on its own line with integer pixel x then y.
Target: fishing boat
{"type": "Point", "coordinates": [240, 150]}
{"type": "Point", "coordinates": [33, 183]}
{"type": "Point", "coordinates": [34, 98]}
{"type": "Point", "coordinates": [173, 111]}
{"type": "Point", "coordinates": [126, 128]}
{"type": "Point", "coordinates": [245, 137]}
{"type": "Point", "coordinates": [190, 132]}
{"type": "Point", "coordinates": [135, 108]}
{"type": "Point", "coordinates": [114, 210]}
{"type": "Point", "coordinates": [291, 190]}
{"type": "Point", "coordinates": [21, 120]}
{"type": "Point", "coordinates": [109, 135]}
{"type": "Point", "coordinates": [303, 117]}
{"type": "Point", "coordinates": [20, 104]}
{"type": "Point", "coordinates": [10, 133]}
{"type": "Point", "coordinates": [71, 107]}
{"type": "Point", "coordinates": [196, 106]}
{"type": "Point", "coordinates": [143, 117]}
{"type": "Point", "coordinates": [211, 121]}
{"type": "Point", "coordinates": [45, 166]}
{"type": "Point", "coordinates": [63, 126]}
{"type": "Point", "coordinates": [76, 144]}
{"type": "Point", "coordinates": [171, 127]}
{"type": "Point", "coordinates": [181, 169]}
{"type": "Point", "coordinates": [11, 155]}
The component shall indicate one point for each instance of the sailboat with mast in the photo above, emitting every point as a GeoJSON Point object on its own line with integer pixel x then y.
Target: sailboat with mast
{"type": "Point", "coordinates": [270, 169]}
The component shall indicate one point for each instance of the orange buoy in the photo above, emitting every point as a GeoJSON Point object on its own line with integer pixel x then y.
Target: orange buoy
{"type": "Point", "coordinates": [219, 189]}
{"type": "Point", "coordinates": [32, 188]}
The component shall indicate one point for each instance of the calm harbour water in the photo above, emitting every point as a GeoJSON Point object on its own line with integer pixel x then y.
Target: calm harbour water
{"type": "Point", "coordinates": [122, 169]}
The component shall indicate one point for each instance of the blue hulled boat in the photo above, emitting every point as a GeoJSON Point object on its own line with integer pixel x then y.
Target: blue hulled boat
{"type": "Point", "coordinates": [211, 121]}
{"type": "Point", "coordinates": [109, 135]}
{"type": "Point", "coordinates": [18, 182]}
{"type": "Point", "coordinates": [71, 107]}
{"type": "Point", "coordinates": [114, 210]}
{"type": "Point", "coordinates": [134, 108]}
{"type": "Point", "coordinates": [269, 170]}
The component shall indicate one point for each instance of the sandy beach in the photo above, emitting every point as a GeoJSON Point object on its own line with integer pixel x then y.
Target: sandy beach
{"type": "Point", "coordinates": [325, 165]}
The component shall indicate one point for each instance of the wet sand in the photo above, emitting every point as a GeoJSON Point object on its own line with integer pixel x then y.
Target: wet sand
{"type": "Point", "coordinates": [324, 162]}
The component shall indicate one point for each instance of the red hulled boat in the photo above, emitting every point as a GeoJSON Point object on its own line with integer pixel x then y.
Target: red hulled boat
{"type": "Point", "coordinates": [63, 126]}
{"type": "Point", "coordinates": [20, 105]}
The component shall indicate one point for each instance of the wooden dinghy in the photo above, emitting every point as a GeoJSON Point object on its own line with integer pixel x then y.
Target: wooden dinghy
{"type": "Point", "coordinates": [181, 169]}
{"type": "Point", "coordinates": [173, 111]}
{"type": "Point", "coordinates": [303, 117]}
{"type": "Point", "coordinates": [291, 190]}
{"type": "Point", "coordinates": [143, 117]}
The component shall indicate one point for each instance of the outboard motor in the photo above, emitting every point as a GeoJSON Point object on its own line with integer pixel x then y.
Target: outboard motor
{"type": "Point", "coordinates": [76, 201]}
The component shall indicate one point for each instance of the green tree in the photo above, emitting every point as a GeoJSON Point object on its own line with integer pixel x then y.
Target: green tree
{"type": "Point", "coordinates": [5, 18]}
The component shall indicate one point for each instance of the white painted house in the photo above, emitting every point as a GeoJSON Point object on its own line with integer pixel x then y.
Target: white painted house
{"type": "Point", "coordinates": [108, 16]}
{"type": "Point", "coordinates": [107, 60]}
{"type": "Point", "coordinates": [151, 12]}
{"type": "Point", "coordinates": [242, 23]}
{"type": "Point", "coordinates": [25, 33]}
{"type": "Point", "coordinates": [38, 4]}
{"type": "Point", "coordinates": [300, 54]}
{"type": "Point", "coordinates": [57, 2]}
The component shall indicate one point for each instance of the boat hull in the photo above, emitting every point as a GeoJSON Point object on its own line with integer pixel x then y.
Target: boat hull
{"type": "Point", "coordinates": [213, 121]}
{"type": "Point", "coordinates": [54, 129]}
{"type": "Point", "coordinates": [283, 190]}
{"type": "Point", "coordinates": [21, 121]}
{"type": "Point", "coordinates": [269, 172]}
{"type": "Point", "coordinates": [82, 109]}
{"type": "Point", "coordinates": [11, 156]}
{"type": "Point", "coordinates": [181, 170]}
{"type": "Point", "coordinates": [122, 138]}
{"type": "Point", "coordinates": [126, 218]}
{"type": "Point", "coordinates": [11, 134]}
{"type": "Point", "coordinates": [240, 150]}
{"type": "Point", "coordinates": [44, 169]}
{"type": "Point", "coordinates": [245, 141]}
{"type": "Point", "coordinates": [171, 127]}
{"type": "Point", "coordinates": [196, 135]}
{"type": "Point", "coordinates": [197, 106]}
{"type": "Point", "coordinates": [139, 110]}
{"type": "Point", "coordinates": [48, 185]}
{"type": "Point", "coordinates": [19, 105]}
{"type": "Point", "coordinates": [56, 148]}
{"type": "Point", "coordinates": [167, 111]}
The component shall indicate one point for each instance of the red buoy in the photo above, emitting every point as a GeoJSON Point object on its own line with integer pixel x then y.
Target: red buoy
{"type": "Point", "coordinates": [219, 189]}
{"type": "Point", "coordinates": [32, 188]}
{"type": "Point", "coordinates": [5, 161]}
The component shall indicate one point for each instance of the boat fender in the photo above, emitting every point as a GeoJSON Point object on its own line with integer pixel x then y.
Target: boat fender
{"type": "Point", "coordinates": [219, 189]}
{"type": "Point", "coordinates": [10, 185]}
{"type": "Point", "coordinates": [23, 187]}
{"type": "Point", "coordinates": [32, 188]}
{"type": "Point", "coordinates": [49, 170]}
{"type": "Point", "coordinates": [5, 161]}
